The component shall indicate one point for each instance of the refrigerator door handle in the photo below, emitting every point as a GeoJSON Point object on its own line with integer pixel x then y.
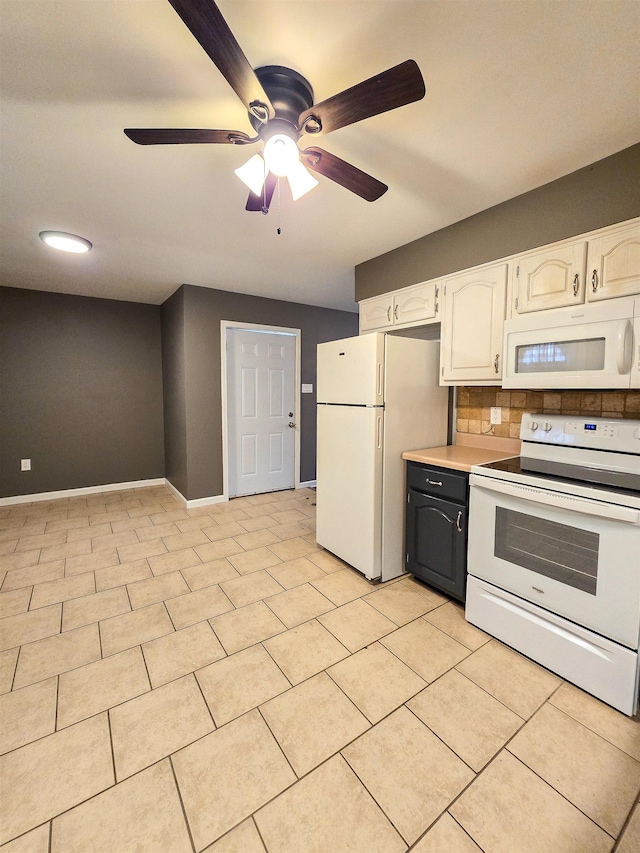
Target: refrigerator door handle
{"type": "Point", "coordinates": [379, 379]}
{"type": "Point", "coordinates": [379, 431]}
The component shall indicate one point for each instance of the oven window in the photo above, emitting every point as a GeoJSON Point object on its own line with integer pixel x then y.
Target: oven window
{"type": "Point", "coordinates": [566, 554]}
{"type": "Point", "coordinates": [560, 356]}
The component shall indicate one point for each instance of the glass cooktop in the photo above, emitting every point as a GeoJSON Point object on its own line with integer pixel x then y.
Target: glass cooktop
{"type": "Point", "coordinates": [616, 481]}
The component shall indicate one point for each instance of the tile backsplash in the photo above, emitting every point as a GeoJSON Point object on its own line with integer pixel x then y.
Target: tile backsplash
{"type": "Point", "coordinates": [473, 406]}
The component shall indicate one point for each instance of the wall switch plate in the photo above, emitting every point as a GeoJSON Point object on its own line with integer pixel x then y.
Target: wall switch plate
{"type": "Point", "coordinates": [307, 389]}
{"type": "Point", "coordinates": [25, 464]}
{"type": "Point", "coordinates": [496, 414]}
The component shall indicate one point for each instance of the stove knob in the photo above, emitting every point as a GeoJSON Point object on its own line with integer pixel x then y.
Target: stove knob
{"type": "Point", "coordinates": [533, 426]}
{"type": "Point", "coordinates": [546, 427]}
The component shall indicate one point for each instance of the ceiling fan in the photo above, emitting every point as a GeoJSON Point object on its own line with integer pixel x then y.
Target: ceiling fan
{"type": "Point", "coordinates": [280, 105]}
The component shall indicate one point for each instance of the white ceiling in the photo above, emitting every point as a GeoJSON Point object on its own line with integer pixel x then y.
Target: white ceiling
{"type": "Point", "coordinates": [519, 92]}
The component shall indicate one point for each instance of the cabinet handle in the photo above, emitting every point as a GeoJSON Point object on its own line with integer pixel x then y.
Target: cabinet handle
{"type": "Point", "coordinates": [496, 363]}
{"type": "Point", "coordinates": [594, 281]}
{"type": "Point", "coordinates": [458, 528]}
{"type": "Point", "coordinates": [389, 314]}
{"type": "Point", "coordinates": [395, 312]}
{"type": "Point", "coordinates": [433, 482]}
{"type": "Point", "coordinates": [576, 284]}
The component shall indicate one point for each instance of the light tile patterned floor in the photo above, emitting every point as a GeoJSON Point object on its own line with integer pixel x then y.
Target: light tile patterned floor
{"type": "Point", "coordinates": [210, 680]}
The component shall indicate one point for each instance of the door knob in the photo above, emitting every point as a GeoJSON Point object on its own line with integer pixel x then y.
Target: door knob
{"type": "Point", "coordinates": [291, 424]}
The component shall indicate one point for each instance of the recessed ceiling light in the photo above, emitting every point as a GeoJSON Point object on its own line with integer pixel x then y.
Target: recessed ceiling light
{"type": "Point", "coordinates": [65, 242]}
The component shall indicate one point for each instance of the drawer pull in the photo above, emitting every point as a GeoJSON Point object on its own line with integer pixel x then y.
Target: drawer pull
{"type": "Point", "coordinates": [434, 483]}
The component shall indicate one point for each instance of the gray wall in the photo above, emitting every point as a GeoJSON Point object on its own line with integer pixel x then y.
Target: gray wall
{"type": "Point", "coordinates": [601, 194]}
{"type": "Point", "coordinates": [203, 309]}
{"type": "Point", "coordinates": [80, 391]}
{"type": "Point", "coordinates": [174, 391]}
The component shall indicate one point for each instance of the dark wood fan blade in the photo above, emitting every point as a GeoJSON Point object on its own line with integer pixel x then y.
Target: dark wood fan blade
{"type": "Point", "coordinates": [343, 173]}
{"type": "Point", "coordinates": [257, 202]}
{"type": "Point", "coordinates": [187, 136]}
{"type": "Point", "coordinates": [205, 21]}
{"type": "Point", "coordinates": [393, 88]}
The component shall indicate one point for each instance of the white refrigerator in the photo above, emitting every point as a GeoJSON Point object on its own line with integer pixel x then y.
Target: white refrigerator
{"type": "Point", "coordinates": [378, 396]}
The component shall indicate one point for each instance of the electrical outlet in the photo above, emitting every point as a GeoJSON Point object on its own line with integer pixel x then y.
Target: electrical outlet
{"type": "Point", "coordinates": [496, 414]}
{"type": "Point", "coordinates": [25, 464]}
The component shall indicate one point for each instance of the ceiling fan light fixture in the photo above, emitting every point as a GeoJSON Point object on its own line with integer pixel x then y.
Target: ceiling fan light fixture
{"type": "Point", "coordinates": [281, 154]}
{"type": "Point", "coordinates": [300, 180]}
{"type": "Point", "coordinates": [65, 242]}
{"type": "Point", "coordinates": [253, 173]}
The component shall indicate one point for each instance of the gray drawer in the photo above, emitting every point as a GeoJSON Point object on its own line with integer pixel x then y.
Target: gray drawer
{"type": "Point", "coordinates": [441, 482]}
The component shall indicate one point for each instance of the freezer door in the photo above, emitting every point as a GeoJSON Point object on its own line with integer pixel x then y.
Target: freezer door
{"type": "Point", "coordinates": [352, 371]}
{"type": "Point", "coordinates": [349, 485]}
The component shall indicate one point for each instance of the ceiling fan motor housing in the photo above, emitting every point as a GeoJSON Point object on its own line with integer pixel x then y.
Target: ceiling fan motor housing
{"type": "Point", "coordinates": [289, 92]}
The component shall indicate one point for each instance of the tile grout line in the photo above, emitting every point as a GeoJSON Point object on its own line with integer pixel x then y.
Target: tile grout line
{"type": "Point", "coordinates": [626, 823]}
{"type": "Point", "coordinates": [182, 806]}
{"type": "Point", "coordinates": [559, 793]}
{"type": "Point", "coordinates": [113, 754]}
{"type": "Point", "coordinates": [204, 698]}
{"type": "Point", "coordinates": [545, 781]}
{"type": "Point", "coordinates": [55, 722]}
{"type": "Point", "coordinates": [255, 823]}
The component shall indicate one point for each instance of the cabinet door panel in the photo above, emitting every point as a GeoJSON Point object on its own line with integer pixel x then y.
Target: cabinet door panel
{"type": "Point", "coordinates": [550, 279]}
{"type": "Point", "coordinates": [415, 304]}
{"type": "Point", "coordinates": [474, 312]}
{"type": "Point", "coordinates": [376, 313]}
{"type": "Point", "coordinates": [436, 542]}
{"type": "Point", "coordinates": [614, 264]}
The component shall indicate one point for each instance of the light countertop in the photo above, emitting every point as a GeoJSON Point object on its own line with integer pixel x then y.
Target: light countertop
{"type": "Point", "coordinates": [467, 451]}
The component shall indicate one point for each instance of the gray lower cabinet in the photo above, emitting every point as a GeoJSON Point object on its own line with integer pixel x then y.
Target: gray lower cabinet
{"type": "Point", "coordinates": [436, 527]}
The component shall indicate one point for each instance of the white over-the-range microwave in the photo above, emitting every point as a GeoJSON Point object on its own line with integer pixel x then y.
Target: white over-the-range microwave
{"type": "Point", "coordinates": [590, 346]}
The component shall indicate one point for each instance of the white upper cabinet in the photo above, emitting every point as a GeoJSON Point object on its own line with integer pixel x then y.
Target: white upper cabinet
{"type": "Point", "coordinates": [415, 304]}
{"type": "Point", "coordinates": [551, 278]}
{"type": "Point", "coordinates": [411, 306]}
{"type": "Point", "coordinates": [376, 313]}
{"type": "Point", "coordinates": [473, 315]}
{"type": "Point", "coordinates": [613, 267]}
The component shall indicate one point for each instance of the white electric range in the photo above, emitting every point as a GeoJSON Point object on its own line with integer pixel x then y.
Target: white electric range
{"type": "Point", "coordinates": [554, 551]}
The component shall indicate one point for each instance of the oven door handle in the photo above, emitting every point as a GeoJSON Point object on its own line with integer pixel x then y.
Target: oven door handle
{"type": "Point", "coordinates": [557, 499]}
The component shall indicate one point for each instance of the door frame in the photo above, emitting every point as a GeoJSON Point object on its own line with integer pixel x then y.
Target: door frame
{"type": "Point", "coordinates": [226, 325]}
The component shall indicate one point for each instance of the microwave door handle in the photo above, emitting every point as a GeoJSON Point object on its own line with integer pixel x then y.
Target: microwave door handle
{"type": "Point", "coordinates": [556, 499]}
{"type": "Point", "coordinates": [624, 346]}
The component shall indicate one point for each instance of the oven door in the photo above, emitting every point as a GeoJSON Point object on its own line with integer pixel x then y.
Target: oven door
{"type": "Point", "coordinates": [571, 556]}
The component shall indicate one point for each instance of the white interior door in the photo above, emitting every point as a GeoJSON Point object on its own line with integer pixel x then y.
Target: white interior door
{"type": "Point", "coordinates": [261, 412]}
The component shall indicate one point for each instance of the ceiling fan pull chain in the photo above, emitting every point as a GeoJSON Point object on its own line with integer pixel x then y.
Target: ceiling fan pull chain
{"type": "Point", "coordinates": [278, 229]}
{"type": "Point", "coordinates": [265, 206]}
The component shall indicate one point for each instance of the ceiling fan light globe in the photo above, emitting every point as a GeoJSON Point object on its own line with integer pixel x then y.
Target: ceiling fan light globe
{"type": "Point", "coordinates": [281, 154]}
{"type": "Point", "coordinates": [252, 174]}
{"type": "Point", "coordinates": [301, 181]}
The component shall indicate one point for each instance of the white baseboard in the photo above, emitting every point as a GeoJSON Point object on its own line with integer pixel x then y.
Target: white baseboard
{"type": "Point", "coordinates": [214, 499]}
{"type": "Point", "coordinates": [133, 484]}
{"type": "Point", "coordinates": [88, 490]}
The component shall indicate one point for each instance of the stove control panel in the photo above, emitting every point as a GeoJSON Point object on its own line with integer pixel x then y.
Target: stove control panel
{"type": "Point", "coordinates": [622, 435]}
{"type": "Point", "coordinates": [600, 428]}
